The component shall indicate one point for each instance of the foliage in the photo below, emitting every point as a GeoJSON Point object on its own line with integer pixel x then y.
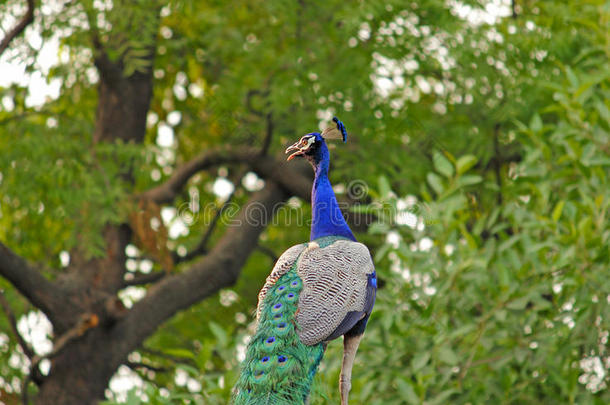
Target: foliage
{"type": "Point", "coordinates": [484, 145]}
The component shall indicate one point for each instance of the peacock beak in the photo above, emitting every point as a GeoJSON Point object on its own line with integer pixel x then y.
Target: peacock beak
{"type": "Point", "coordinates": [292, 148]}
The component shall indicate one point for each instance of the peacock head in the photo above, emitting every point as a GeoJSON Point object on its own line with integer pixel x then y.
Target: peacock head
{"type": "Point", "coordinates": [313, 146]}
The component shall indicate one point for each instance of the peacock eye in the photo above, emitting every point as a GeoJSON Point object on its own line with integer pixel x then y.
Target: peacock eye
{"type": "Point", "coordinates": [306, 142]}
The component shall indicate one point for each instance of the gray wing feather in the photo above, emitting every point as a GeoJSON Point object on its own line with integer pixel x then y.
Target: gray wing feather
{"type": "Point", "coordinates": [334, 284]}
{"type": "Point", "coordinates": [283, 264]}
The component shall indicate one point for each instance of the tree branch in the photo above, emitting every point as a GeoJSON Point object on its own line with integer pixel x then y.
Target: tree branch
{"type": "Point", "coordinates": [166, 192]}
{"type": "Point", "coordinates": [13, 322]}
{"type": "Point", "coordinates": [28, 281]}
{"type": "Point", "coordinates": [145, 278]}
{"type": "Point", "coordinates": [19, 27]}
{"type": "Point", "coordinates": [291, 177]}
{"type": "Point", "coordinates": [219, 269]}
{"type": "Point", "coordinates": [111, 71]}
{"type": "Point", "coordinates": [201, 247]}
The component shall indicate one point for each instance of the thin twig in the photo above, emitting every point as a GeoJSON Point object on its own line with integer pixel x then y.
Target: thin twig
{"type": "Point", "coordinates": [163, 355]}
{"type": "Point", "coordinates": [268, 133]}
{"type": "Point", "coordinates": [167, 191]}
{"type": "Point", "coordinates": [19, 27]}
{"type": "Point", "coordinates": [137, 364]}
{"type": "Point", "coordinates": [250, 95]}
{"type": "Point", "coordinates": [201, 248]}
{"type": "Point", "coordinates": [267, 251]}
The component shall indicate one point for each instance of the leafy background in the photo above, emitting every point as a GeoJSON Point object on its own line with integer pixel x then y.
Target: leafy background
{"type": "Point", "coordinates": [479, 129]}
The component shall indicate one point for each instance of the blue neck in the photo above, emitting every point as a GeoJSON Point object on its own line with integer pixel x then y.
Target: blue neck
{"type": "Point", "coordinates": [327, 217]}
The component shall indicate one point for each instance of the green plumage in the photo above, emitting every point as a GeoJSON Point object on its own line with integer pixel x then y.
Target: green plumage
{"type": "Point", "coordinates": [278, 368]}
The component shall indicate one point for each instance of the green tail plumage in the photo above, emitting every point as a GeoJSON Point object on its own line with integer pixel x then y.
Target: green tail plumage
{"type": "Point", "coordinates": [278, 368]}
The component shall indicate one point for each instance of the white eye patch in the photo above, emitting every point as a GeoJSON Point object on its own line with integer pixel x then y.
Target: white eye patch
{"type": "Point", "coordinates": [309, 140]}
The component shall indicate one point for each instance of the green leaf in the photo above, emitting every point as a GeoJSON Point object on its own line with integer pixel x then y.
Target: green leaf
{"type": "Point", "coordinates": [571, 77]}
{"type": "Point", "coordinates": [557, 211]}
{"type": "Point", "coordinates": [442, 165]}
{"type": "Point", "coordinates": [518, 304]}
{"type": "Point", "coordinates": [179, 352]}
{"type": "Point", "coordinates": [441, 398]}
{"type": "Point", "coordinates": [419, 361]}
{"type": "Point", "coordinates": [133, 398]}
{"type": "Point", "coordinates": [435, 182]}
{"type": "Point", "coordinates": [377, 228]}
{"type": "Point", "coordinates": [464, 163]}
{"type": "Point", "coordinates": [407, 392]}
{"type": "Point", "coordinates": [536, 123]}
{"type": "Point", "coordinates": [447, 355]}
{"type": "Point", "coordinates": [218, 331]}
{"type": "Point", "coordinates": [468, 180]}
{"type": "Point", "coordinates": [384, 186]}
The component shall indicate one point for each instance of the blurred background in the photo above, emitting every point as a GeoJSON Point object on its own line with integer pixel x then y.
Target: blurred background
{"type": "Point", "coordinates": [144, 196]}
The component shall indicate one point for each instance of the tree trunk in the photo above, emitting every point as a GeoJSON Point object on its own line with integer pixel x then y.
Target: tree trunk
{"type": "Point", "coordinates": [80, 373]}
{"type": "Point", "coordinates": [82, 368]}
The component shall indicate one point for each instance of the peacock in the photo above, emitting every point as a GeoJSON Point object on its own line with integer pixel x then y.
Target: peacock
{"type": "Point", "coordinates": [316, 292]}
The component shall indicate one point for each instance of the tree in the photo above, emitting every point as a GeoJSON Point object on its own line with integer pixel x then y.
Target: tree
{"type": "Point", "coordinates": [494, 122]}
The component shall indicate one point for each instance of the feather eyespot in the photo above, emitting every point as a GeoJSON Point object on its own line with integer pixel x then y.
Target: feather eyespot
{"type": "Point", "coordinates": [281, 359]}
{"type": "Point", "coordinates": [282, 329]}
{"type": "Point", "coordinates": [280, 290]}
{"type": "Point", "coordinates": [269, 344]}
{"type": "Point", "coordinates": [276, 308]}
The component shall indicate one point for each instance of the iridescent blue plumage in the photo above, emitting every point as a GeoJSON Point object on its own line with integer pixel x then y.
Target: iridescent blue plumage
{"type": "Point", "coordinates": [316, 292]}
{"type": "Point", "coordinates": [327, 218]}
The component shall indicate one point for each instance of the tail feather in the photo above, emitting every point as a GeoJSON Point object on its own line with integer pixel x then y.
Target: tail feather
{"type": "Point", "coordinates": [278, 368]}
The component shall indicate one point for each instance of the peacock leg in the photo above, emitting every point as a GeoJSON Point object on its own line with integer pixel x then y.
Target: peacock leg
{"type": "Point", "coordinates": [350, 347]}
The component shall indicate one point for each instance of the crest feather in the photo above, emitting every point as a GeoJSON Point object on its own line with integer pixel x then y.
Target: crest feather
{"type": "Point", "coordinates": [336, 131]}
